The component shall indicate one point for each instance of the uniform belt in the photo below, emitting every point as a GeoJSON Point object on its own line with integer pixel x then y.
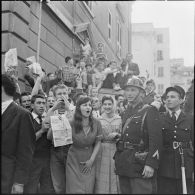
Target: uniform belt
{"type": "Point", "coordinates": [176, 144]}
{"type": "Point", "coordinates": [128, 145]}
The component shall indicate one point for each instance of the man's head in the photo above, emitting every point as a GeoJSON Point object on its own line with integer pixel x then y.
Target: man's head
{"type": "Point", "coordinates": [69, 61]}
{"type": "Point", "coordinates": [88, 67]}
{"type": "Point", "coordinates": [134, 91]}
{"type": "Point", "coordinates": [150, 85]}
{"type": "Point", "coordinates": [94, 92]}
{"type": "Point", "coordinates": [100, 66]}
{"type": "Point", "coordinates": [119, 98]}
{"type": "Point", "coordinates": [174, 97]}
{"type": "Point", "coordinates": [129, 57]}
{"type": "Point", "coordinates": [124, 65]}
{"type": "Point", "coordinates": [51, 76]}
{"type": "Point", "coordinates": [50, 102]}
{"type": "Point", "coordinates": [113, 65]}
{"type": "Point", "coordinates": [82, 64]}
{"type": "Point", "coordinates": [25, 100]}
{"type": "Point", "coordinates": [60, 90]}
{"type": "Point", "coordinates": [8, 87]}
{"type": "Point", "coordinates": [95, 103]}
{"type": "Point", "coordinates": [38, 104]}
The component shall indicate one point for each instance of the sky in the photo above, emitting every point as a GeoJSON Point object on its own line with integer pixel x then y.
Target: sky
{"type": "Point", "coordinates": [178, 16]}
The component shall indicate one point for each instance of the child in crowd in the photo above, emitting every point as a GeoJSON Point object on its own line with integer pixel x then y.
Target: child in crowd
{"type": "Point", "coordinates": [99, 75]}
{"type": "Point", "coordinates": [90, 73]}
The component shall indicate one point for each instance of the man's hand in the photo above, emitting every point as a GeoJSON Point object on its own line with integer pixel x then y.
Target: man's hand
{"type": "Point", "coordinates": [148, 172]}
{"type": "Point", "coordinates": [17, 189]}
{"type": "Point", "coordinates": [45, 126]}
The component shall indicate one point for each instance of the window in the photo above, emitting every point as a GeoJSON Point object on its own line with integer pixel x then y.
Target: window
{"type": "Point", "coordinates": [109, 25]}
{"type": "Point", "coordinates": [160, 71]}
{"type": "Point", "coordinates": [159, 38]}
{"type": "Point", "coordinates": [119, 39]}
{"type": "Point", "coordinates": [159, 55]}
{"type": "Point", "coordinates": [160, 88]}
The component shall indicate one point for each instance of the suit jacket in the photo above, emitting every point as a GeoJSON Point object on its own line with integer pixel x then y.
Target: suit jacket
{"type": "Point", "coordinates": [181, 131]}
{"type": "Point", "coordinates": [17, 146]}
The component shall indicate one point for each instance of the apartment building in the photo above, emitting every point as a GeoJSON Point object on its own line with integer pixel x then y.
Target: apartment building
{"type": "Point", "coordinates": [64, 25]}
{"type": "Point", "coordinates": [150, 49]}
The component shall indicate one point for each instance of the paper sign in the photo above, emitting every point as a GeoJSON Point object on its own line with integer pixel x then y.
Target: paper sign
{"type": "Point", "coordinates": [11, 59]}
{"type": "Point", "coordinates": [61, 130]}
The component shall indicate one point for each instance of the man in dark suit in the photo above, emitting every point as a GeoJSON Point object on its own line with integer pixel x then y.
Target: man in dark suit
{"type": "Point", "coordinates": [178, 130]}
{"type": "Point", "coordinates": [17, 141]}
{"type": "Point", "coordinates": [40, 177]}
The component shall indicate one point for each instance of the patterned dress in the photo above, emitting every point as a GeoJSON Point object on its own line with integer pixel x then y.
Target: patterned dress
{"type": "Point", "coordinates": [106, 179]}
{"type": "Point", "coordinates": [81, 151]}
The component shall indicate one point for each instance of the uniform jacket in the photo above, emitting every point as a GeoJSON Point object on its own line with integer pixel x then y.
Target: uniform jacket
{"type": "Point", "coordinates": [17, 146]}
{"type": "Point", "coordinates": [125, 162]}
{"type": "Point", "coordinates": [181, 131]}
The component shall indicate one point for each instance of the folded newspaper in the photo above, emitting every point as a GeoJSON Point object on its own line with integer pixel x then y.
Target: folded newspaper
{"type": "Point", "coordinates": [61, 130]}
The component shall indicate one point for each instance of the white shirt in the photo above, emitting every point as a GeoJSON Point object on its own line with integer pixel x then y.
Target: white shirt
{"type": "Point", "coordinates": [5, 104]}
{"type": "Point", "coordinates": [177, 113]}
{"type": "Point", "coordinates": [35, 117]}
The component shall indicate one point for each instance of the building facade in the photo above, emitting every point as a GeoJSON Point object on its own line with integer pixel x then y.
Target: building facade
{"type": "Point", "coordinates": [64, 25]}
{"type": "Point", "coordinates": [181, 75]}
{"type": "Point", "coordinates": [150, 49]}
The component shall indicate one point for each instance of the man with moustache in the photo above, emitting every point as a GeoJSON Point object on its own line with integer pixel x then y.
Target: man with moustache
{"type": "Point", "coordinates": [138, 148]}
{"type": "Point", "coordinates": [40, 176]}
{"type": "Point", "coordinates": [178, 138]}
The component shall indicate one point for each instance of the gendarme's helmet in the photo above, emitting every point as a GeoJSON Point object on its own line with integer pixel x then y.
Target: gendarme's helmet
{"type": "Point", "coordinates": [135, 82]}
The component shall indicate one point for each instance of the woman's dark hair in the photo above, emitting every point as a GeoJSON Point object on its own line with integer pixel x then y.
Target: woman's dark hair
{"type": "Point", "coordinates": [107, 98]}
{"type": "Point", "coordinates": [8, 84]}
{"type": "Point", "coordinates": [78, 116]}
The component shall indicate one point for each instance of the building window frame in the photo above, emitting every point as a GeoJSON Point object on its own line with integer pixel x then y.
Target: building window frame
{"type": "Point", "coordinates": [159, 38]}
{"type": "Point", "coordinates": [159, 55]}
{"type": "Point", "coordinates": [160, 71]}
{"type": "Point", "coordinates": [109, 25]}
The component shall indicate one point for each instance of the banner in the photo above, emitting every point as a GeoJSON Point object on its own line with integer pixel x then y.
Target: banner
{"type": "Point", "coordinates": [11, 61]}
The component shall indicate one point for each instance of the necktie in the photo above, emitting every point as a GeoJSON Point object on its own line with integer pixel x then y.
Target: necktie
{"type": "Point", "coordinates": [173, 117]}
{"type": "Point", "coordinates": [40, 119]}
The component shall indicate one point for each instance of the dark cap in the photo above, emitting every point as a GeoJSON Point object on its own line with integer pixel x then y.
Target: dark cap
{"type": "Point", "coordinates": [178, 89]}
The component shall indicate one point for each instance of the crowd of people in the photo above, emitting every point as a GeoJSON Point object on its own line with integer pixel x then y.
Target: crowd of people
{"type": "Point", "coordinates": [128, 144]}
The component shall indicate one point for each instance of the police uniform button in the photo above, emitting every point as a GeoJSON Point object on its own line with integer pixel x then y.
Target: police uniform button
{"type": "Point", "coordinates": [186, 129]}
{"type": "Point", "coordinates": [175, 126]}
{"type": "Point", "coordinates": [174, 131]}
{"type": "Point", "coordinates": [163, 128]}
{"type": "Point", "coordinates": [174, 136]}
{"type": "Point", "coordinates": [127, 134]}
{"type": "Point", "coordinates": [127, 126]}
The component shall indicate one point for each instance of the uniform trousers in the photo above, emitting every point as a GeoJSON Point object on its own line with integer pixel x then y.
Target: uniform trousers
{"type": "Point", "coordinates": [173, 186]}
{"type": "Point", "coordinates": [137, 185]}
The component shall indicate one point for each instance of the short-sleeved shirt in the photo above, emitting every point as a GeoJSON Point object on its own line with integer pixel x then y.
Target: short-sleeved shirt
{"type": "Point", "coordinates": [69, 73]}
